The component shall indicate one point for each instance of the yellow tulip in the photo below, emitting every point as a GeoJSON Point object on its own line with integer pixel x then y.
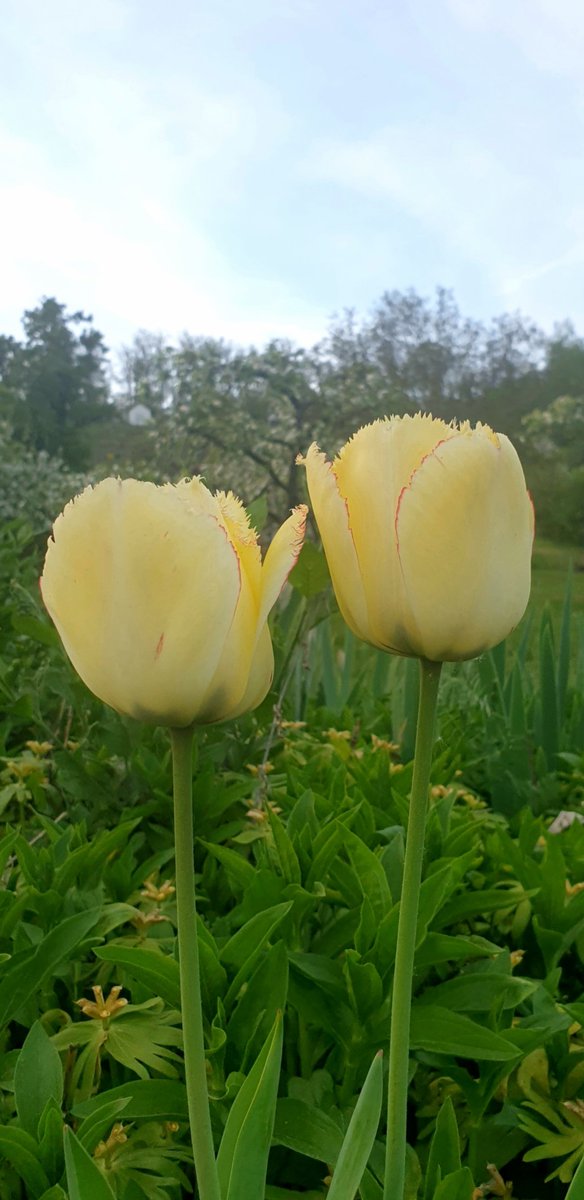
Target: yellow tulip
{"type": "Point", "coordinates": [428, 531]}
{"type": "Point", "coordinates": [161, 598]}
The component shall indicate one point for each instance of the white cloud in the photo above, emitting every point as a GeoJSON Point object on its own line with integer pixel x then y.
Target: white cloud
{"type": "Point", "coordinates": [114, 215]}
{"type": "Point", "coordinates": [521, 234]}
{"type": "Point", "coordinates": [447, 181]}
{"type": "Point", "coordinates": [550, 33]}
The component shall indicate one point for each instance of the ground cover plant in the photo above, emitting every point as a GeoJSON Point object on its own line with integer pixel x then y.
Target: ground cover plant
{"type": "Point", "coordinates": [300, 810]}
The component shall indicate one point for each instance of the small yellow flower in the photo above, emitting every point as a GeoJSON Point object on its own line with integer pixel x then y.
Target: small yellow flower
{"type": "Point", "coordinates": [261, 769]}
{"type": "Point", "coordinates": [495, 1187]}
{"type": "Point", "coordinates": [572, 889]}
{"type": "Point", "coordinates": [23, 768]}
{"type": "Point", "coordinates": [39, 748]}
{"type": "Point", "coordinates": [99, 1008]}
{"type": "Point", "coordinates": [576, 1107]}
{"type": "Point", "coordinates": [117, 1137]}
{"type": "Point", "coordinates": [256, 815]}
{"type": "Point", "coordinates": [516, 957]}
{"type": "Point", "coordinates": [470, 799]}
{"type": "Point", "coordinates": [143, 921]}
{"type": "Point", "coordinates": [157, 892]}
{"type": "Point", "coordinates": [292, 726]}
{"type": "Point", "coordinates": [378, 743]}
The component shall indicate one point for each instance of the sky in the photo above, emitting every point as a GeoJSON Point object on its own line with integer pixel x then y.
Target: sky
{"type": "Point", "coordinates": [249, 168]}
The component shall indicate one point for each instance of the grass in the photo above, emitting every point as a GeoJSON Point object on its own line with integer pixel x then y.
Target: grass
{"type": "Point", "coordinates": [551, 565]}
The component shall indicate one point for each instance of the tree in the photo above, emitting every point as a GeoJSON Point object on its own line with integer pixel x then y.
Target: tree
{"type": "Point", "coordinates": [146, 372]}
{"type": "Point", "coordinates": [58, 381]}
{"type": "Point", "coordinates": [553, 453]}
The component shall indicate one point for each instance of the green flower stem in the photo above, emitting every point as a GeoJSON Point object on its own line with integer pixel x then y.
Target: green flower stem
{"type": "Point", "coordinates": [397, 1099]}
{"type": "Point", "coordinates": [190, 983]}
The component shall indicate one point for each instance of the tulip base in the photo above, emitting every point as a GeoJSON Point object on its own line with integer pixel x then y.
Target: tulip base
{"type": "Point", "coordinates": [190, 984]}
{"type": "Point", "coordinates": [395, 1159]}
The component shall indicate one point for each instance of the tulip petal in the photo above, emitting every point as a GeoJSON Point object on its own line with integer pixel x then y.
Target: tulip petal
{"type": "Point", "coordinates": [260, 676]}
{"type": "Point", "coordinates": [237, 671]}
{"type": "Point", "coordinates": [143, 587]}
{"type": "Point", "coordinates": [464, 530]}
{"type": "Point", "coordinates": [371, 471]}
{"type": "Point", "coordinates": [280, 558]}
{"type": "Point", "coordinates": [332, 516]}
{"type": "Point", "coordinates": [244, 538]}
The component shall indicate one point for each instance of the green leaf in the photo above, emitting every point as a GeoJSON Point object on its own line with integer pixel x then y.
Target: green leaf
{"type": "Point", "coordinates": [213, 977]}
{"type": "Point", "coordinates": [244, 948]}
{"type": "Point", "coordinates": [54, 1193]}
{"type": "Point", "coordinates": [37, 631]}
{"type": "Point", "coordinates": [576, 1188]}
{"type": "Point", "coordinates": [310, 575]}
{"type": "Point", "coordinates": [444, 1155]}
{"type": "Point", "coordinates": [564, 650]}
{"type": "Point", "coordinates": [479, 991]}
{"type": "Point", "coordinates": [21, 980]}
{"type": "Point", "coordinates": [443, 947]}
{"type": "Point", "coordinates": [93, 1128]}
{"type": "Point", "coordinates": [360, 1136]}
{"type": "Point", "coordinates": [160, 1099]}
{"type": "Point", "coordinates": [550, 724]}
{"type": "Point", "coordinates": [158, 972]}
{"type": "Point", "coordinates": [243, 1154]}
{"type": "Point", "coordinates": [84, 1178]}
{"type": "Point", "coordinates": [287, 856]}
{"type": "Point", "coordinates": [307, 1130]}
{"type": "Point", "coordinates": [38, 1077]}
{"type": "Point", "coordinates": [237, 868]}
{"type": "Point", "coordinates": [278, 1193]}
{"type": "Point", "coordinates": [257, 512]}
{"type": "Point", "coordinates": [457, 1186]}
{"type": "Point", "coordinates": [50, 1137]}
{"type": "Point", "coordinates": [370, 873]}
{"type": "Point", "coordinates": [261, 1000]}
{"type": "Point", "coordinates": [22, 1151]}
{"type": "Point", "coordinates": [236, 952]}
{"type": "Point", "coordinates": [444, 1032]}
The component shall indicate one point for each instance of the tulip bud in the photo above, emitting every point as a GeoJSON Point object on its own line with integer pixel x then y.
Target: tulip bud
{"type": "Point", "coordinates": [161, 598]}
{"type": "Point", "coordinates": [428, 531]}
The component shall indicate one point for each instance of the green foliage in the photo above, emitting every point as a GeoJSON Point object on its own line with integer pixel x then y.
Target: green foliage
{"type": "Point", "coordinates": [34, 487]}
{"type": "Point", "coordinates": [552, 440]}
{"type": "Point", "coordinates": [300, 812]}
{"type": "Point", "coordinates": [52, 386]}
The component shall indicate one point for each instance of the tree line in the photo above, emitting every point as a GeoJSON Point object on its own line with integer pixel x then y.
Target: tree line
{"type": "Point", "coordinates": [202, 405]}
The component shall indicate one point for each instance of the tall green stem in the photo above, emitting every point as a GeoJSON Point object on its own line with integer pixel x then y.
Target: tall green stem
{"type": "Point", "coordinates": [397, 1100]}
{"type": "Point", "coordinates": [190, 984]}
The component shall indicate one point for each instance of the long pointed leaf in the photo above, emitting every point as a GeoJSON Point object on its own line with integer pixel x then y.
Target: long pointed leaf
{"type": "Point", "coordinates": [360, 1136]}
{"type": "Point", "coordinates": [564, 650]}
{"type": "Point", "coordinates": [576, 1188]}
{"type": "Point", "coordinates": [21, 981]}
{"type": "Point", "coordinates": [84, 1178]}
{"type": "Point", "coordinates": [444, 1154]}
{"type": "Point", "coordinates": [457, 1186]}
{"type": "Point", "coordinates": [22, 1151]}
{"type": "Point", "coordinates": [243, 1154]}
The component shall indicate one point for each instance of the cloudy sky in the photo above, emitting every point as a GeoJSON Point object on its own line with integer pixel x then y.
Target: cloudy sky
{"type": "Point", "coordinates": [247, 168]}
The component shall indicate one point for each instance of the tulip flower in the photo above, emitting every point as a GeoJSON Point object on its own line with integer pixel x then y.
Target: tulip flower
{"type": "Point", "coordinates": [428, 530]}
{"type": "Point", "coordinates": [161, 598]}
